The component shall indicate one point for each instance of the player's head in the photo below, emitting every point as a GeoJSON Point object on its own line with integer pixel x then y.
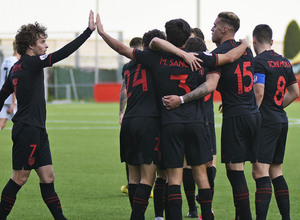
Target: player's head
{"type": "Point", "coordinates": [225, 26]}
{"type": "Point", "coordinates": [136, 43]}
{"type": "Point", "coordinates": [31, 37]}
{"type": "Point", "coordinates": [262, 38]}
{"type": "Point", "coordinates": [195, 44]}
{"type": "Point", "coordinates": [178, 31]}
{"type": "Point", "coordinates": [196, 32]}
{"type": "Point", "coordinates": [148, 36]}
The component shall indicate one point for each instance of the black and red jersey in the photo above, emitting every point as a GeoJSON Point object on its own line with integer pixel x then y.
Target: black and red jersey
{"type": "Point", "coordinates": [173, 76]}
{"type": "Point", "coordinates": [236, 82]}
{"type": "Point", "coordinates": [141, 95]}
{"type": "Point", "coordinates": [26, 79]}
{"type": "Point", "coordinates": [278, 76]}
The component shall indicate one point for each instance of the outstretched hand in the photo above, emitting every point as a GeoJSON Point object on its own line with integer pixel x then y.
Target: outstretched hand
{"type": "Point", "coordinates": [193, 61]}
{"type": "Point", "coordinates": [92, 24]}
{"type": "Point", "coordinates": [171, 101]}
{"type": "Point", "coordinates": [99, 24]}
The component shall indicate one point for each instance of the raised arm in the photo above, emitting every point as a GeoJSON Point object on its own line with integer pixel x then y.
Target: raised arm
{"type": "Point", "coordinates": [116, 45]}
{"type": "Point", "coordinates": [233, 54]}
{"type": "Point", "coordinates": [190, 58]}
{"type": "Point", "coordinates": [291, 95]}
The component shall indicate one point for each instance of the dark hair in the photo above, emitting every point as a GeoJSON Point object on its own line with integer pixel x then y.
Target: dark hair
{"type": "Point", "coordinates": [197, 32]}
{"type": "Point", "coordinates": [263, 33]}
{"type": "Point", "coordinates": [148, 36]}
{"type": "Point", "coordinates": [28, 35]}
{"type": "Point", "coordinates": [135, 42]}
{"type": "Point", "coordinates": [231, 19]}
{"type": "Point", "coordinates": [178, 31]}
{"type": "Point", "coordinates": [195, 44]}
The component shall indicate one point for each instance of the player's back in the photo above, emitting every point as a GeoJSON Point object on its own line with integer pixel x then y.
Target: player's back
{"type": "Point", "coordinates": [236, 82]}
{"type": "Point", "coordinates": [278, 75]}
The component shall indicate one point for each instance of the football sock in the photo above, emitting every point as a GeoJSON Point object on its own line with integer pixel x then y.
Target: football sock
{"type": "Point", "coordinates": [262, 197]}
{"type": "Point", "coordinates": [240, 193]}
{"type": "Point", "coordinates": [282, 197]}
{"type": "Point", "coordinates": [175, 202]}
{"type": "Point", "coordinates": [52, 201]}
{"type": "Point", "coordinates": [140, 202]}
{"type": "Point", "coordinates": [158, 197]}
{"type": "Point", "coordinates": [131, 191]}
{"type": "Point", "coordinates": [211, 174]}
{"type": "Point", "coordinates": [204, 198]}
{"type": "Point", "coordinates": [189, 188]}
{"type": "Point", "coordinates": [166, 202]}
{"type": "Point", "coordinates": [8, 198]}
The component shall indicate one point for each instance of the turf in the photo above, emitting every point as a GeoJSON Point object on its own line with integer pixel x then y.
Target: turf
{"type": "Point", "coordinates": [84, 140]}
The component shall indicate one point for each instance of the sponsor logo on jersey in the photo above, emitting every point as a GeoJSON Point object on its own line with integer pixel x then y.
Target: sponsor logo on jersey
{"type": "Point", "coordinates": [42, 57]}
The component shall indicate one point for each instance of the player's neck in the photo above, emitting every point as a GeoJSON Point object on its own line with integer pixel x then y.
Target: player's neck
{"type": "Point", "coordinates": [226, 38]}
{"type": "Point", "coordinates": [263, 48]}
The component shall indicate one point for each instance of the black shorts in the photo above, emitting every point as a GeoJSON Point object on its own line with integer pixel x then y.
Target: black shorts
{"type": "Point", "coordinates": [189, 139]}
{"type": "Point", "coordinates": [212, 138]}
{"type": "Point", "coordinates": [31, 148]}
{"type": "Point", "coordinates": [240, 138]}
{"type": "Point", "coordinates": [140, 140]}
{"type": "Point", "coordinates": [272, 143]}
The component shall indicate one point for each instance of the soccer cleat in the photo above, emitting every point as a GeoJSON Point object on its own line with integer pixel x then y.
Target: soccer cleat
{"type": "Point", "coordinates": [124, 189]}
{"type": "Point", "coordinates": [193, 213]}
{"type": "Point", "coordinates": [212, 216]}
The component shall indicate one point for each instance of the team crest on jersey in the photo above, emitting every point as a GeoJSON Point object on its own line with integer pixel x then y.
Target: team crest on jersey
{"type": "Point", "coordinates": [42, 57]}
{"type": "Point", "coordinates": [207, 53]}
{"type": "Point", "coordinates": [31, 161]}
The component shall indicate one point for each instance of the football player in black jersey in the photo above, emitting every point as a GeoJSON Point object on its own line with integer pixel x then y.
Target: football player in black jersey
{"type": "Point", "coordinates": [31, 148]}
{"type": "Point", "coordinates": [273, 75]}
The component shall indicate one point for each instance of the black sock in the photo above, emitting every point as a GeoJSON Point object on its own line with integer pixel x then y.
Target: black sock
{"type": "Point", "coordinates": [189, 188]}
{"type": "Point", "coordinates": [52, 201]}
{"type": "Point", "coordinates": [158, 198]}
{"type": "Point", "coordinates": [262, 197]}
{"type": "Point", "coordinates": [282, 197]}
{"type": "Point", "coordinates": [175, 202]}
{"type": "Point", "coordinates": [240, 193]}
{"type": "Point", "coordinates": [8, 198]}
{"type": "Point", "coordinates": [140, 202]}
{"type": "Point", "coordinates": [131, 191]}
{"type": "Point", "coordinates": [166, 203]}
{"type": "Point", "coordinates": [211, 174]}
{"type": "Point", "coordinates": [204, 198]}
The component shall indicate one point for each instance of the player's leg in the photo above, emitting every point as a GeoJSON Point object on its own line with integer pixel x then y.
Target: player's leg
{"type": "Point", "coordinates": [9, 193]}
{"type": "Point", "coordinates": [134, 180]}
{"type": "Point", "coordinates": [189, 190]}
{"type": "Point", "coordinates": [174, 192]}
{"type": "Point", "coordinates": [2, 123]}
{"type": "Point", "coordinates": [142, 193]}
{"type": "Point", "coordinates": [158, 198]}
{"type": "Point", "coordinates": [281, 190]}
{"type": "Point", "coordinates": [263, 192]}
{"type": "Point", "coordinates": [3, 116]}
{"type": "Point", "coordinates": [49, 195]}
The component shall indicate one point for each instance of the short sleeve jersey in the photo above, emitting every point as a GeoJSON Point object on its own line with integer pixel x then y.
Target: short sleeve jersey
{"type": "Point", "coordinates": [5, 68]}
{"type": "Point", "coordinates": [141, 95]}
{"type": "Point", "coordinates": [236, 82]}
{"type": "Point", "coordinates": [278, 76]}
{"type": "Point", "coordinates": [173, 76]}
{"type": "Point", "coordinates": [26, 79]}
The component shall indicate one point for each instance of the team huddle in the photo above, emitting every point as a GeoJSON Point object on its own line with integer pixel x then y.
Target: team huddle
{"type": "Point", "coordinates": [167, 130]}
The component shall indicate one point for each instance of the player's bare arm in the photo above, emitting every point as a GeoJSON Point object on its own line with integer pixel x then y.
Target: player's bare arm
{"type": "Point", "coordinates": [113, 43]}
{"type": "Point", "coordinates": [123, 101]}
{"type": "Point", "coordinates": [291, 95]}
{"type": "Point", "coordinates": [259, 90]}
{"type": "Point", "coordinates": [233, 54]}
{"type": "Point", "coordinates": [190, 58]}
{"type": "Point", "coordinates": [173, 101]}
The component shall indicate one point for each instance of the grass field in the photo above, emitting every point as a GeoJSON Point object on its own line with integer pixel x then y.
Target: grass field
{"type": "Point", "coordinates": [84, 140]}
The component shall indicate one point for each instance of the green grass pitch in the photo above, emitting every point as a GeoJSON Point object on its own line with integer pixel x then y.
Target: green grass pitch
{"type": "Point", "coordinates": [84, 140]}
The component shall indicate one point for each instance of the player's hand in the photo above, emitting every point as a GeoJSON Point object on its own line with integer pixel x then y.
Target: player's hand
{"type": "Point", "coordinates": [171, 101]}
{"type": "Point", "coordinates": [99, 24]}
{"type": "Point", "coordinates": [193, 61]}
{"type": "Point", "coordinates": [92, 24]}
{"type": "Point", "coordinates": [221, 108]}
{"type": "Point", "coordinates": [11, 109]}
{"type": "Point", "coordinates": [245, 41]}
